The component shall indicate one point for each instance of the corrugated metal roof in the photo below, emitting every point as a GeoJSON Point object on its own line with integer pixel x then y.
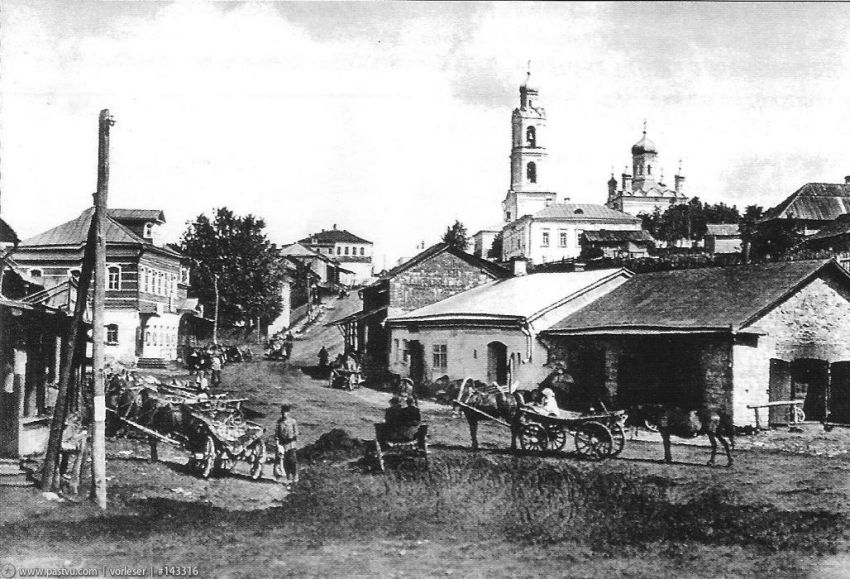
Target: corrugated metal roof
{"type": "Point", "coordinates": [583, 212]}
{"type": "Point", "coordinates": [722, 229]}
{"type": "Point", "coordinates": [716, 297]}
{"type": "Point", "coordinates": [332, 236]}
{"type": "Point", "coordinates": [815, 202]}
{"type": "Point", "coordinates": [137, 214]}
{"type": "Point", "coordinates": [518, 297]}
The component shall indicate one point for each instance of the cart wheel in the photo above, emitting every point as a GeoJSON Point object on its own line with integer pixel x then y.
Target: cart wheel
{"type": "Point", "coordinates": [379, 456]}
{"type": "Point", "coordinates": [799, 415]}
{"type": "Point", "coordinates": [207, 463]}
{"type": "Point", "coordinates": [618, 436]}
{"type": "Point", "coordinates": [593, 441]}
{"type": "Point", "coordinates": [258, 459]}
{"type": "Point", "coordinates": [557, 437]}
{"type": "Point", "coordinates": [533, 437]}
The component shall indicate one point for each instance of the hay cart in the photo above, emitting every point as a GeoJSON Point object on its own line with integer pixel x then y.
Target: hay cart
{"type": "Point", "coordinates": [409, 442]}
{"type": "Point", "coordinates": [218, 444]}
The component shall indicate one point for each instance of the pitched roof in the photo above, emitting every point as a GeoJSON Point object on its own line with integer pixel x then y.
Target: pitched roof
{"type": "Point", "coordinates": [605, 235]}
{"type": "Point", "coordinates": [137, 214]}
{"type": "Point", "coordinates": [438, 248]}
{"type": "Point", "coordinates": [584, 212]}
{"type": "Point", "coordinates": [723, 229]}
{"type": "Point", "coordinates": [522, 297]}
{"type": "Point", "coordinates": [7, 234]}
{"type": "Point", "coordinates": [813, 201]}
{"type": "Point", "coordinates": [75, 232]}
{"type": "Point", "coordinates": [332, 236]}
{"type": "Point", "coordinates": [706, 299]}
{"type": "Point", "coordinates": [296, 250]}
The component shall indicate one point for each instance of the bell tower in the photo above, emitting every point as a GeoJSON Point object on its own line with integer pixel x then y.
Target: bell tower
{"type": "Point", "coordinates": [527, 194]}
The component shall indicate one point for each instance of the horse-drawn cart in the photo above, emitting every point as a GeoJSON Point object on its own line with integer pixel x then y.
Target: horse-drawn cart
{"type": "Point", "coordinates": [596, 435]}
{"type": "Point", "coordinates": [409, 442]}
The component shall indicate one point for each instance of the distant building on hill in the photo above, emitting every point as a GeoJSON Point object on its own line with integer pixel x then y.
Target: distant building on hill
{"type": "Point", "coordinates": [353, 253]}
{"type": "Point", "coordinates": [643, 191]}
{"type": "Point", "coordinates": [813, 206]}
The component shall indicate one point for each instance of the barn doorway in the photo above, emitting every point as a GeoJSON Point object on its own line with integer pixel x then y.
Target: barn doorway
{"type": "Point", "coordinates": [497, 363]}
{"type": "Point", "coordinates": [779, 388]}
{"type": "Point", "coordinates": [809, 378]}
{"type": "Point", "coordinates": [839, 392]}
{"type": "Point", "coordinates": [417, 361]}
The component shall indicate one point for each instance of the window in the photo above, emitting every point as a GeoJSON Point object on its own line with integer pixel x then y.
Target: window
{"type": "Point", "coordinates": [362, 251]}
{"type": "Point", "coordinates": [405, 352]}
{"type": "Point", "coordinates": [579, 233]}
{"type": "Point", "coordinates": [35, 273]}
{"type": "Point", "coordinates": [148, 231]}
{"type": "Point", "coordinates": [338, 250]}
{"type": "Point", "coordinates": [649, 169]}
{"type": "Point", "coordinates": [184, 275]}
{"type": "Point", "coordinates": [531, 172]}
{"type": "Point", "coordinates": [346, 250]}
{"type": "Point", "coordinates": [545, 238]}
{"type": "Point", "coordinates": [440, 356]}
{"type": "Point", "coordinates": [396, 350]}
{"type": "Point", "coordinates": [562, 234]}
{"type": "Point", "coordinates": [112, 334]}
{"type": "Point", "coordinates": [113, 278]}
{"type": "Point", "coordinates": [531, 137]}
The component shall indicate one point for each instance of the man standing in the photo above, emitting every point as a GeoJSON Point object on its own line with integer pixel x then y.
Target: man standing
{"type": "Point", "coordinates": [215, 366]}
{"type": "Point", "coordinates": [286, 437]}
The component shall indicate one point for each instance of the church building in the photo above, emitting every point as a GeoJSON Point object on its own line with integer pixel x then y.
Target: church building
{"type": "Point", "coordinates": [641, 192]}
{"type": "Point", "coordinates": [537, 227]}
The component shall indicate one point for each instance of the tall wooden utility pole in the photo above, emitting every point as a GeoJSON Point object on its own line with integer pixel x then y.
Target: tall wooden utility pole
{"type": "Point", "coordinates": [99, 330]}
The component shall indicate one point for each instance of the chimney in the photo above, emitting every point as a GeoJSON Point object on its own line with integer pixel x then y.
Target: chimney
{"type": "Point", "coordinates": [520, 267]}
{"type": "Point", "coordinates": [334, 226]}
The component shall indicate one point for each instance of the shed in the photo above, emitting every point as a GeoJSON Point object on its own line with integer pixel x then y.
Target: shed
{"type": "Point", "coordinates": [729, 336]}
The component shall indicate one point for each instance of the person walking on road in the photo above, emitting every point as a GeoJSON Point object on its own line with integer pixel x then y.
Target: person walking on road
{"type": "Point", "coordinates": [286, 437]}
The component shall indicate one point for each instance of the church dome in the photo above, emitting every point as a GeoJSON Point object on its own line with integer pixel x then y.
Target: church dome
{"type": "Point", "coordinates": [643, 146]}
{"type": "Point", "coordinates": [527, 85]}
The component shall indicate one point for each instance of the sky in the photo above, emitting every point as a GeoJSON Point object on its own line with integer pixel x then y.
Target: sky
{"type": "Point", "coordinates": [392, 120]}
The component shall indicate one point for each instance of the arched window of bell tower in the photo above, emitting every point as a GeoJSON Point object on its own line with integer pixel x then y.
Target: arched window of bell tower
{"type": "Point", "coordinates": [531, 172]}
{"type": "Point", "coordinates": [531, 137]}
{"type": "Point", "coordinates": [649, 169]}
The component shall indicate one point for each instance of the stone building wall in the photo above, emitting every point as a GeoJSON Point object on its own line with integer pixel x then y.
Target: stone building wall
{"type": "Point", "coordinates": [433, 280]}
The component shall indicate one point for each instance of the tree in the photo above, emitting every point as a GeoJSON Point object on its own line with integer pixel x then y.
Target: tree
{"type": "Point", "coordinates": [748, 227]}
{"type": "Point", "coordinates": [495, 251]}
{"type": "Point", "coordinates": [456, 236]}
{"type": "Point", "coordinates": [234, 254]}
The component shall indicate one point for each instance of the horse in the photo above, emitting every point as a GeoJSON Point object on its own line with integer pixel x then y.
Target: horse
{"type": "Point", "coordinates": [490, 400]}
{"type": "Point", "coordinates": [689, 423]}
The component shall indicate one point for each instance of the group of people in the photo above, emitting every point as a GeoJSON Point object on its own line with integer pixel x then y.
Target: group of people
{"type": "Point", "coordinates": [205, 364]}
{"type": "Point", "coordinates": [279, 347]}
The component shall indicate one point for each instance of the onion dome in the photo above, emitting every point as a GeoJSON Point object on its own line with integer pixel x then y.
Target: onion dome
{"type": "Point", "coordinates": [645, 145]}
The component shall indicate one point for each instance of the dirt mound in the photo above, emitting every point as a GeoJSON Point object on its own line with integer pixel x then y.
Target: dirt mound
{"type": "Point", "coordinates": [334, 445]}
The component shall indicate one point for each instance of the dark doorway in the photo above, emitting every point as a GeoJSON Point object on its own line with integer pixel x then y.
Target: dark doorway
{"type": "Point", "coordinates": [839, 392]}
{"type": "Point", "coordinates": [660, 371]}
{"type": "Point", "coordinates": [779, 388]}
{"type": "Point", "coordinates": [587, 368]}
{"type": "Point", "coordinates": [809, 378]}
{"type": "Point", "coordinates": [497, 363]}
{"type": "Point", "coordinates": [417, 361]}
